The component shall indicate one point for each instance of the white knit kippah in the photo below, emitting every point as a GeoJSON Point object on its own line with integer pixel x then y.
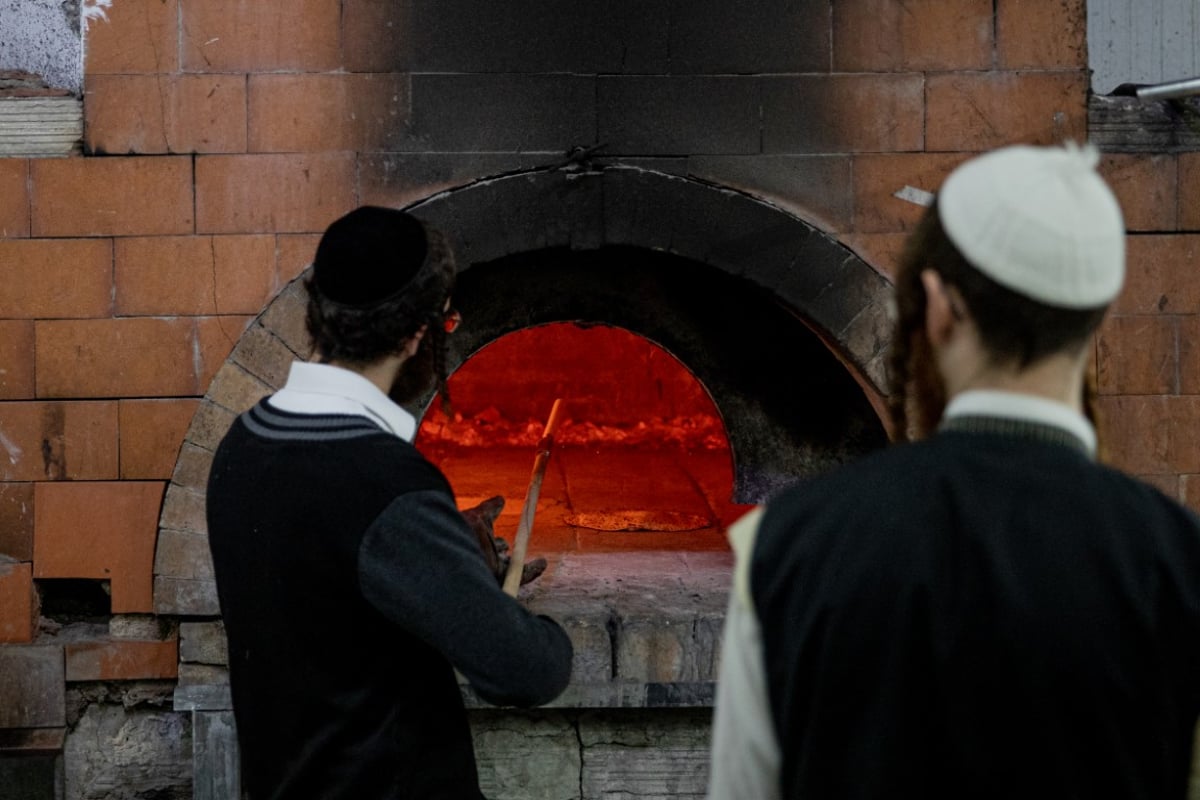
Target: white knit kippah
{"type": "Point", "coordinates": [1040, 221]}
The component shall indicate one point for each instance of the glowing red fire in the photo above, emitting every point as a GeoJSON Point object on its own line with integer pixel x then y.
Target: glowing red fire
{"type": "Point", "coordinates": [641, 460]}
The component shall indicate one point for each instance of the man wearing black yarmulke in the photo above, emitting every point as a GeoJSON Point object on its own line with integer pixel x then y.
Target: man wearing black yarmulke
{"type": "Point", "coordinates": [350, 585]}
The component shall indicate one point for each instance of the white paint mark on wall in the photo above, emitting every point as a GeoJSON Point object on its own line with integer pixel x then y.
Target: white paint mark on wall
{"type": "Point", "coordinates": [14, 452]}
{"type": "Point", "coordinates": [95, 10]}
{"type": "Point", "coordinates": [916, 196]}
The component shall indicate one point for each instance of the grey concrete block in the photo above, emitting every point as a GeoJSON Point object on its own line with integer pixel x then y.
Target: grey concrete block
{"type": "Point", "coordinates": [32, 686]}
{"type": "Point", "coordinates": [119, 754]}
{"type": "Point", "coordinates": [202, 675]}
{"type": "Point", "coordinates": [508, 113]}
{"type": "Point", "coordinates": [665, 649]}
{"type": "Point", "coordinates": [526, 756]}
{"type": "Point", "coordinates": [217, 761]}
{"type": "Point", "coordinates": [653, 115]}
{"type": "Point", "coordinates": [658, 756]}
{"type": "Point", "coordinates": [203, 643]}
{"type": "Point", "coordinates": [715, 36]}
{"type": "Point", "coordinates": [185, 597]}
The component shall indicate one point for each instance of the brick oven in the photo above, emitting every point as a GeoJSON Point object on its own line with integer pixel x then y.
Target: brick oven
{"type": "Point", "coordinates": [679, 217]}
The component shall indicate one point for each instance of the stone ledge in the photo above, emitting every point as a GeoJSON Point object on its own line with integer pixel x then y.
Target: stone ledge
{"type": "Point", "coordinates": [34, 127]}
{"type": "Point", "coordinates": [1122, 124]}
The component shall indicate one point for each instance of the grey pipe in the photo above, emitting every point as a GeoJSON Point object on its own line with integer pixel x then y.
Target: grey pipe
{"type": "Point", "coordinates": [1170, 91]}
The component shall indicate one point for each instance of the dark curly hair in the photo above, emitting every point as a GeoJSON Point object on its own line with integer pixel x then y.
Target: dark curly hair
{"type": "Point", "coordinates": [359, 336]}
{"type": "Point", "coordinates": [1015, 330]}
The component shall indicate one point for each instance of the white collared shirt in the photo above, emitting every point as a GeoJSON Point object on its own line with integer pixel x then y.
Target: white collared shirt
{"type": "Point", "coordinates": [313, 388]}
{"type": "Point", "coordinates": [1011, 405]}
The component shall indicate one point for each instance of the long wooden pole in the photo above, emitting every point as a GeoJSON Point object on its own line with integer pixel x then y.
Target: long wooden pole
{"type": "Point", "coordinates": [512, 580]}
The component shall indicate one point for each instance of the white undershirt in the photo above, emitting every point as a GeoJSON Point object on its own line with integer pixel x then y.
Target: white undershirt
{"type": "Point", "coordinates": [313, 388]}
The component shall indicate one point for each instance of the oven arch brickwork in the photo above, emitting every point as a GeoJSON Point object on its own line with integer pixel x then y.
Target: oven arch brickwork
{"type": "Point", "coordinates": [838, 295]}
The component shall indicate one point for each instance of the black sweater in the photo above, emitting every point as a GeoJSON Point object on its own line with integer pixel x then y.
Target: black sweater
{"type": "Point", "coordinates": [351, 588]}
{"type": "Point", "coordinates": [980, 616]}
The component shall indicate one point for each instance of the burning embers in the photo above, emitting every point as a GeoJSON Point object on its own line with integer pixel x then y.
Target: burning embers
{"type": "Point", "coordinates": [640, 461]}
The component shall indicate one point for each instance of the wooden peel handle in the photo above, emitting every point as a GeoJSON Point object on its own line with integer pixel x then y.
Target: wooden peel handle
{"type": "Point", "coordinates": [512, 579]}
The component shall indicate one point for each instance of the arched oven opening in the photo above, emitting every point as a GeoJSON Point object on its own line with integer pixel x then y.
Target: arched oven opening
{"type": "Point", "coordinates": [640, 459]}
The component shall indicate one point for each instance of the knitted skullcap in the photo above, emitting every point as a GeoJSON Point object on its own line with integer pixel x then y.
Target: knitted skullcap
{"type": "Point", "coordinates": [1039, 221]}
{"type": "Point", "coordinates": [369, 256]}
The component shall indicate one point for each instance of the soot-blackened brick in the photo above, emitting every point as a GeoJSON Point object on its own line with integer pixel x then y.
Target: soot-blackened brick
{"type": "Point", "coordinates": [843, 113]}
{"type": "Point", "coordinates": [400, 179]}
{"type": "Point", "coordinates": [716, 36]}
{"type": "Point", "coordinates": [819, 188]}
{"type": "Point", "coordinates": [618, 36]}
{"type": "Point", "coordinates": [679, 115]}
{"type": "Point", "coordinates": [489, 113]}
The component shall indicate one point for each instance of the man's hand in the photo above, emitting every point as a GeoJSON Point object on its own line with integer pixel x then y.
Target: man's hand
{"type": "Point", "coordinates": [482, 519]}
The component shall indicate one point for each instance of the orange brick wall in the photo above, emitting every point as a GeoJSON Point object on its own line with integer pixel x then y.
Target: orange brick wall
{"type": "Point", "coordinates": [222, 137]}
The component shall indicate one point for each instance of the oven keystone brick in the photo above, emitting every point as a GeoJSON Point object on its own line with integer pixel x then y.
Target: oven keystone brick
{"type": "Point", "coordinates": [185, 598]}
{"type": "Point", "coordinates": [14, 198]}
{"type": "Point", "coordinates": [284, 319]}
{"type": "Point", "coordinates": [303, 36]}
{"type": "Point", "coordinates": [235, 389]}
{"type": "Point", "coordinates": [16, 353]}
{"type": "Point", "coordinates": [881, 35]}
{"type": "Point", "coordinates": [209, 426]}
{"type": "Point", "coordinates": [18, 602]}
{"type": "Point", "coordinates": [203, 643]}
{"type": "Point", "coordinates": [664, 115]}
{"type": "Point", "coordinates": [1148, 187]}
{"type": "Point", "coordinates": [301, 113]}
{"type": "Point", "coordinates": [126, 196]}
{"type": "Point", "coordinates": [183, 511]}
{"type": "Point", "coordinates": [263, 356]}
{"type": "Point", "coordinates": [273, 193]}
{"type": "Point", "coordinates": [153, 114]}
{"type": "Point", "coordinates": [843, 113]}
{"type": "Point", "coordinates": [32, 687]}
{"type": "Point", "coordinates": [48, 278]}
{"type": "Point", "coordinates": [100, 530]}
{"type": "Point", "coordinates": [122, 660]}
{"type": "Point", "coordinates": [139, 36]}
{"type": "Point", "coordinates": [151, 434]}
{"type": "Point", "coordinates": [183, 554]}
{"type": "Point", "coordinates": [1034, 34]}
{"type": "Point", "coordinates": [982, 110]}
